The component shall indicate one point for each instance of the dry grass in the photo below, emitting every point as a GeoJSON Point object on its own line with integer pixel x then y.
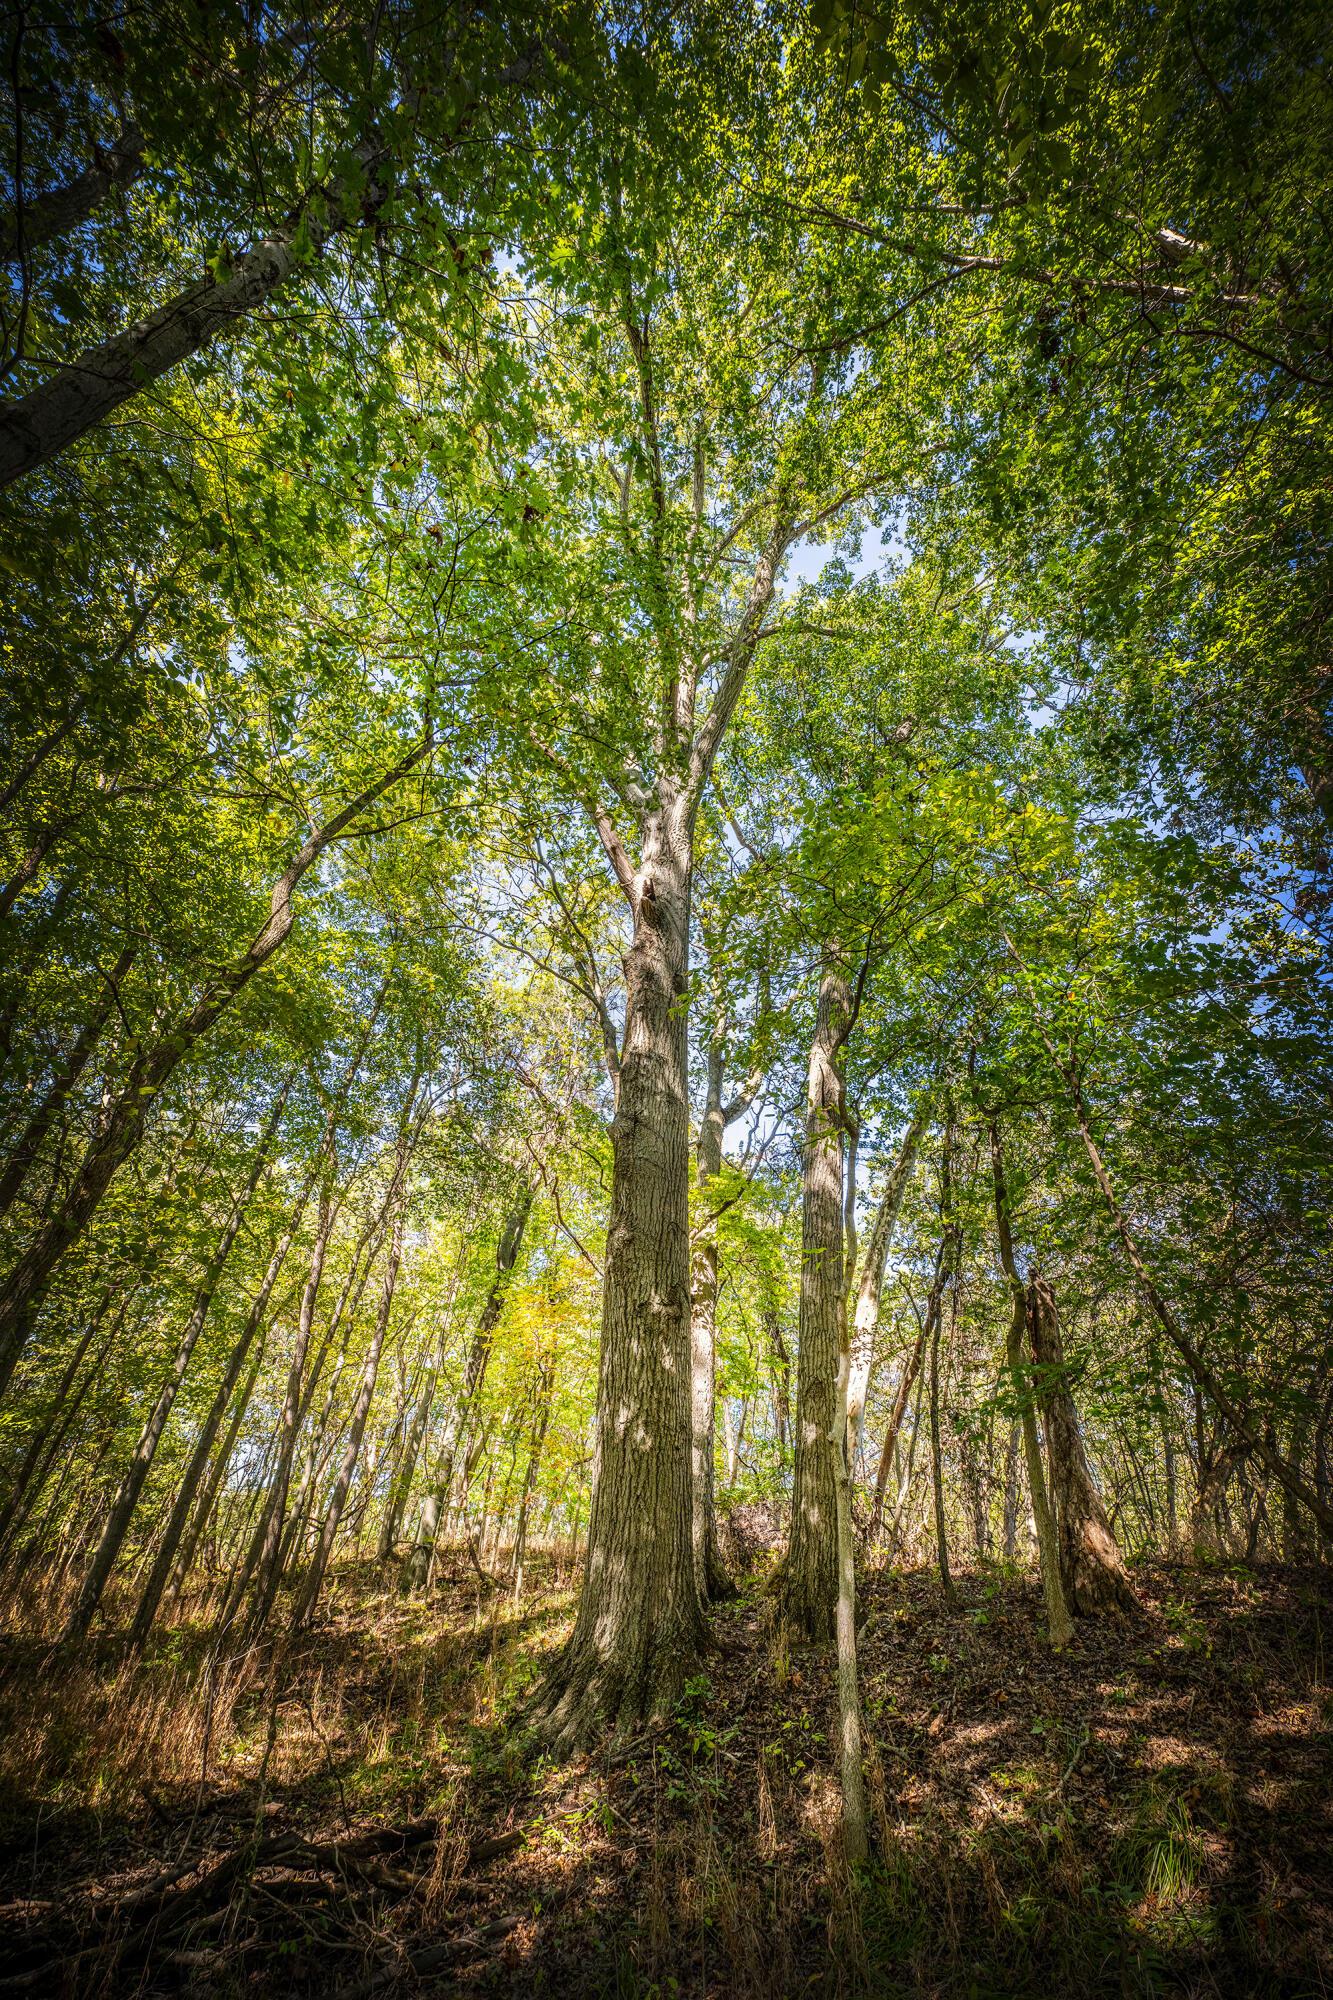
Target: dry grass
{"type": "Point", "coordinates": [1143, 1815]}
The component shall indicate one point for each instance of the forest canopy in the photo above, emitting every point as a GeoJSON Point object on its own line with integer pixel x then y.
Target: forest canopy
{"type": "Point", "coordinates": [666, 925]}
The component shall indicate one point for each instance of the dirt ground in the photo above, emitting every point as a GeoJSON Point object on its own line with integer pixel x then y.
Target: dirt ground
{"type": "Point", "coordinates": [1149, 1813]}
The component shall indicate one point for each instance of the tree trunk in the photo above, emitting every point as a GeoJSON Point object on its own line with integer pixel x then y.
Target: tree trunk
{"type": "Point", "coordinates": [394, 1205]}
{"type": "Point", "coordinates": [48, 1436]}
{"type": "Point", "coordinates": [1059, 1623]}
{"type": "Point", "coordinates": [937, 1468]}
{"type": "Point", "coordinates": [416, 1567]}
{"type": "Point", "coordinates": [810, 1579]}
{"type": "Point", "coordinates": [122, 1128]}
{"type": "Point", "coordinates": [37, 1127]}
{"type": "Point", "coordinates": [781, 1376]}
{"type": "Point", "coordinates": [640, 1625]}
{"type": "Point", "coordinates": [911, 1364]}
{"type": "Point", "coordinates": [1010, 1542]}
{"type": "Point", "coordinates": [872, 1274]}
{"type": "Point", "coordinates": [1092, 1570]}
{"type": "Point", "coordinates": [36, 427]}
{"type": "Point", "coordinates": [405, 1470]}
{"type": "Point", "coordinates": [360, 1411]}
{"type": "Point", "coordinates": [710, 1578]}
{"type": "Point", "coordinates": [1249, 1436]}
{"type": "Point", "coordinates": [265, 1560]}
{"type": "Point", "coordinates": [854, 1836]}
{"type": "Point", "coordinates": [47, 217]}
{"type": "Point", "coordinates": [131, 1486]}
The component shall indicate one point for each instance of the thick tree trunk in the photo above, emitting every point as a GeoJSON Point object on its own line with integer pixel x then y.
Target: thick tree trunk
{"type": "Point", "coordinates": [131, 1486]}
{"type": "Point", "coordinates": [1092, 1570]}
{"type": "Point", "coordinates": [640, 1624]}
{"type": "Point", "coordinates": [810, 1578]}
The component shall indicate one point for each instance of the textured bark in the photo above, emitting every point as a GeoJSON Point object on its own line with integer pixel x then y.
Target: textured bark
{"type": "Point", "coordinates": [855, 1839]}
{"type": "Point", "coordinates": [1092, 1570]}
{"type": "Point", "coordinates": [1059, 1622]}
{"type": "Point", "coordinates": [122, 1127]}
{"type": "Point", "coordinates": [145, 1450]}
{"type": "Point", "coordinates": [810, 1579]}
{"type": "Point", "coordinates": [35, 428]}
{"type": "Point", "coordinates": [640, 1625]}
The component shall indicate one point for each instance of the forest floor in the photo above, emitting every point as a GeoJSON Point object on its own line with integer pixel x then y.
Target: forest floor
{"type": "Point", "coordinates": [1151, 1812]}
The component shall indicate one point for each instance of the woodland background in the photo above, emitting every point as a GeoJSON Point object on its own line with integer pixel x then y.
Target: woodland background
{"type": "Point", "coordinates": [664, 998]}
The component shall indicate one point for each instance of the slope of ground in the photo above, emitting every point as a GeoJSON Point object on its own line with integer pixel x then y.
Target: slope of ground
{"type": "Point", "coordinates": [1151, 1812]}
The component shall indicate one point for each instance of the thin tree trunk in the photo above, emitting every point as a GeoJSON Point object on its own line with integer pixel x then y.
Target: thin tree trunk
{"type": "Point", "coordinates": [405, 1471]}
{"type": "Point", "coordinates": [420, 1557]}
{"type": "Point", "coordinates": [1010, 1541]}
{"type": "Point", "coordinates": [936, 1464]}
{"type": "Point", "coordinates": [810, 1579]}
{"type": "Point", "coordinates": [1252, 1439]}
{"type": "Point", "coordinates": [39, 1124]}
{"type": "Point", "coordinates": [265, 1563]}
{"type": "Point", "coordinates": [131, 1486]}
{"type": "Point", "coordinates": [309, 1596]}
{"type": "Point", "coordinates": [872, 1273]}
{"type": "Point", "coordinates": [910, 1366]}
{"type": "Point", "coordinates": [48, 1437]}
{"type": "Point", "coordinates": [1060, 1624]}
{"type": "Point", "coordinates": [710, 1577]}
{"type": "Point", "coordinates": [122, 1128]}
